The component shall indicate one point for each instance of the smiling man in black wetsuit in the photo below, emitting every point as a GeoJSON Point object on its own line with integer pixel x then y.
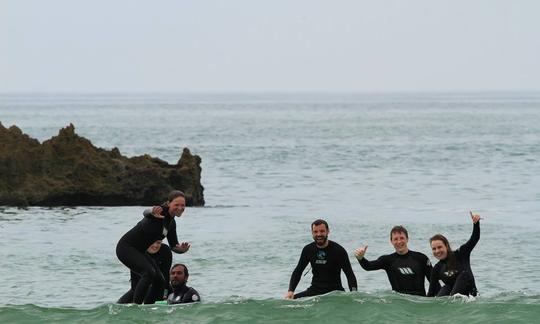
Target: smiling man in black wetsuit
{"type": "Point", "coordinates": [327, 259]}
{"type": "Point", "coordinates": [405, 269]}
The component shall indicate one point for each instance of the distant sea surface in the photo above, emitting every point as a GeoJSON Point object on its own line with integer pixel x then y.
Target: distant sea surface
{"type": "Point", "coordinates": [272, 163]}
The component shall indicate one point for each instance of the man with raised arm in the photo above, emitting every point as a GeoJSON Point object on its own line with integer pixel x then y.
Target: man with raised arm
{"type": "Point", "coordinates": [405, 269]}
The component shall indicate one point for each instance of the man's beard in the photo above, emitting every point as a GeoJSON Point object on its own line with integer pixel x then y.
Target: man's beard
{"type": "Point", "coordinates": [320, 239]}
{"type": "Point", "coordinates": [177, 284]}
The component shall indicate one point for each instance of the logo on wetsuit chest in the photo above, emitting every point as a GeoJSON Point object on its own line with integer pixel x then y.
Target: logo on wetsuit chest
{"type": "Point", "coordinates": [406, 271]}
{"type": "Point", "coordinates": [321, 257]}
{"type": "Point", "coordinates": [450, 273]}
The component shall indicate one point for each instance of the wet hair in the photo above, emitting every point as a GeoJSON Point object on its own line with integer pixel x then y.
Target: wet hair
{"type": "Point", "coordinates": [175, 194]}
{"type": "Point", "coordinates": [318, 222]}
{"type": "Point", "coordinates": [399, 229]}
{"type": "Point", "coordinates": [186, 272]}
{"type": "Point", "coordinates": [450, 259]}
{"type": "Point", "coordinates": [440, 237]}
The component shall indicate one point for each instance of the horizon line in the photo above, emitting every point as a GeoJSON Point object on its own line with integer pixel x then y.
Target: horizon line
{"type": "Point", "coordinates": [271, 92]}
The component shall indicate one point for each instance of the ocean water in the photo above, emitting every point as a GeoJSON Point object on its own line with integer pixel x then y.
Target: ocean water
{"type": "Point", "coordinates": [271, 165]}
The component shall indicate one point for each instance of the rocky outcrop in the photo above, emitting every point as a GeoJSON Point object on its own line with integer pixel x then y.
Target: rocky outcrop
{"type": "Point", "coordinates": [67, 170]}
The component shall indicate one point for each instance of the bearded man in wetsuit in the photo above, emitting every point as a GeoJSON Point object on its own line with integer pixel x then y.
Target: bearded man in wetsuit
{"type": "Point", "coordinates": [405, 269]}
{"type": "Point", "coordinates": [181, 293]}
{"type": "Point", "coordinates": [327, 259]}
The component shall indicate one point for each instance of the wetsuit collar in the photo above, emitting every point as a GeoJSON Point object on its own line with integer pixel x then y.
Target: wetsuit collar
{"type": "Point", "coordinates": [404, 254]}
{"type": "Point", "coordinates": [324, 246]}
{"type": "Point", "coordinates": [179, 287]}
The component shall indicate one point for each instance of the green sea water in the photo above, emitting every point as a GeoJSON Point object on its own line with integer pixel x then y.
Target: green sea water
{"type": "Point", "coordinates": [332, 308]}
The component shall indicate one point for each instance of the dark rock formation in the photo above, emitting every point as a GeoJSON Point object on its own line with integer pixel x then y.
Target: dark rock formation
{"type": "Point", "coordinates": [67, 170]}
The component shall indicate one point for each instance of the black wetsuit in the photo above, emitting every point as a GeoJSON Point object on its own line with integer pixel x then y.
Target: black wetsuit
{"type": "Point", "coordinates": [183, 294]}
{"type": "Point", "coordinates": [131, 248]}
{"type": "Point", "coordinates": [406, 272]}
{"type": "Point", "coordinates": [459, 279]}
{"type": "Point", "coordinates": [326, 264]}
{"type": "Point", "coordinates": [161, 260]}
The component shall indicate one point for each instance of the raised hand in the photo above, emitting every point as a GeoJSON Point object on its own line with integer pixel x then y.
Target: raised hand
{"type": "Point", "coordinates": [475, 217]}
{"type": "Point", "coordinates": [359, 253]}
{"type": "Point", "coordinates": [183, 247]}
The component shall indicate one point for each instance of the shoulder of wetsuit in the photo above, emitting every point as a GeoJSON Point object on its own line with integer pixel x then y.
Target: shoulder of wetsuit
{"type": "Point", "coordinates": [310, 246]}
{"type": "Point", "coordinates": [418, 255]}
{"type": "Point", "coordinates": [335, 245]}
{"type": "Point", "coordinates": [439, 264]}
{"type": "Point", "coordinates": [192, 295]}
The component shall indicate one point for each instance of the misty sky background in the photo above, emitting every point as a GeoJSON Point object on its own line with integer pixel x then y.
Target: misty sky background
{"type": "Point", "coordinates": [268, 46]}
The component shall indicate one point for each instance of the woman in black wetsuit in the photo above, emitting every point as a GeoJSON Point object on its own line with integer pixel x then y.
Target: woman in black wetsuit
{"type": "Point", "coordinates": [454, 267]}
{"type": "Point", "coordinates": [157, 224]}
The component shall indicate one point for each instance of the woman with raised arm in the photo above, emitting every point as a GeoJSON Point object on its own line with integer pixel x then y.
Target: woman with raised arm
{"type": "Point", "coordinates": [454, 267]}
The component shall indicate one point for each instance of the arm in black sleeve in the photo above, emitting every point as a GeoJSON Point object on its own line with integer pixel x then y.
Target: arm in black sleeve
{"type": "Point", "coordinates": [428, 270]}
{"type": "Point", "coordinates": [297, 273]}
{"type": "Point", "coordinates": [347, 268]}
{"type": "Point", "coordinates": [434, 285]}
{"type": "Point", "coordinates": [165, 262]}
{"type": "Point", "coordinates": [471, 243]}
{"type": "Point", "coordinates": [372, 265]}
{"type": "Point", "coordinates": [172, 237]}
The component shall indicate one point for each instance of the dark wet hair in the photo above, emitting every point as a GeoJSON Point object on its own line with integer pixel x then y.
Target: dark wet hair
{"type": "Point", "coordinates": [175, 194]}
{"type": "Point", "coordinates": [186, 272]}
{"type": "Point", "coordinates": [451, 260]}
{"type": "Point", "coordinates": [440, 237]}
{"type": "Point", "coordinates": [399, 229]}
{"type": "Point", "coordinates": [318, 222]}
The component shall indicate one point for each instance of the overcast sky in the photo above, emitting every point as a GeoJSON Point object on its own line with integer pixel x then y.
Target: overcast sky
{"type": "Point", "coordinates": [272, 45]}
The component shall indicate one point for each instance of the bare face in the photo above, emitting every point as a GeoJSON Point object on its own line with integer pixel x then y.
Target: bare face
{"type": "Point", "coordinates": [177, 206]}
{"type": "Point", "coordinates": [439, 249]}
{"type": "Point", "coordinates": [399, 241]}
{"type": "Point", "coordinates": [320, 234]}
{"type": "Point", "coordinates": [154, 248]}
{"type": "Point", "coordinates": [178, 277]}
